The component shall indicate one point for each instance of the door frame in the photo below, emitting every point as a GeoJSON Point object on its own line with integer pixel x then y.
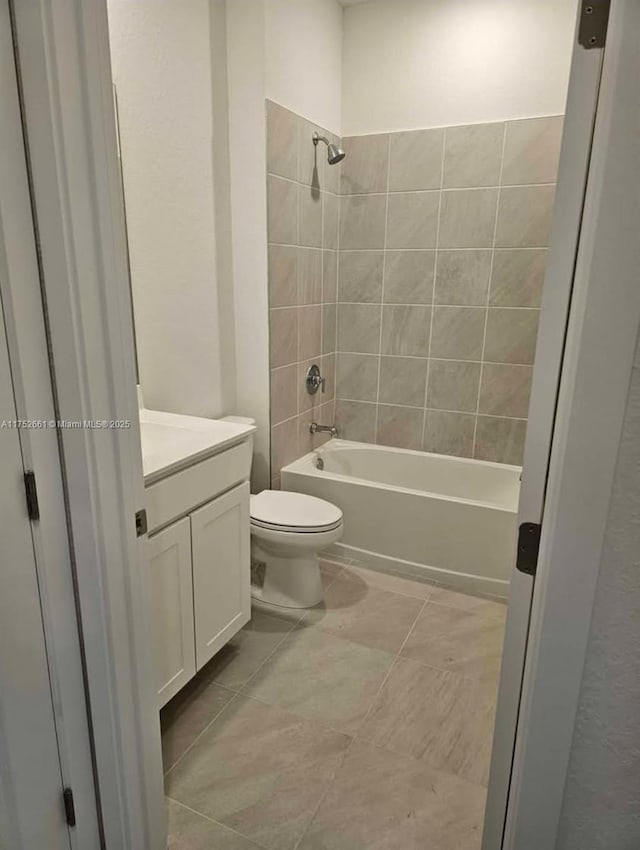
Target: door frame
{"type": "Point", "coordinates": [70, 125]}
{"type": "Point", "coordinates": [602, 331]}
{"type": "Point", "coordinates": [63, 61]}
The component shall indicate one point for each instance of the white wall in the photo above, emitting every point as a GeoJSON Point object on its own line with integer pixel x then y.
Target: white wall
{"type": "Point", "coordinates": [304, 58]}
{"type": "Point", "coordinates": [162, 65]}
{"type": "Point", "coordinates": [431, 63]}
{"type": "Point", "coordinates": [245, 29]}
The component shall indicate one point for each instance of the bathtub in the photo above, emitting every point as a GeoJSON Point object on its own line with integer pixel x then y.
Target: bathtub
{"type": "Point", "coordinates": [440, 518]}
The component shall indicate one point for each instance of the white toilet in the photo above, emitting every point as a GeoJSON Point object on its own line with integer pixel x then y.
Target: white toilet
{"type": "Point", "coordinates": [288, 530]}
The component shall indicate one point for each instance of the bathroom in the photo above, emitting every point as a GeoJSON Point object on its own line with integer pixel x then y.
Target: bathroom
{"type": "Point", "coordinates": [338, 217]}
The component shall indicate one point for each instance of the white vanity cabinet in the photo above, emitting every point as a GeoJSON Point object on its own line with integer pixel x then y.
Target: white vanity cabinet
{"type": "Point", "coordinates": [199, 561]}
{"type": "Point", "coordinates": [220, 552]}
{"type": "Point", "coordinates": [171, 589]}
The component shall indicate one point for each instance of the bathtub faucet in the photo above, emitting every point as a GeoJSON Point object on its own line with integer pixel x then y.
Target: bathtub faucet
{"type": "Point", "coordinates": [317, 429]}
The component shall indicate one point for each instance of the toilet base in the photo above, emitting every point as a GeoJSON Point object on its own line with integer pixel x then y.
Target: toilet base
{"type": "Point", "coordinates": [290, 581]}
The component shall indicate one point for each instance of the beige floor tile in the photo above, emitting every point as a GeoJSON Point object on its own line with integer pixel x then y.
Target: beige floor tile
{"type": "Point", "coordinates": [259, 770]}
{"type": "Point", "coordinates": [187, 715]}
{"type": "Point", "coordinates": [188, 830]}
{"type": "Point", "coordinates": [434, 715]}
{"type": "Point", "coordinates": [457, 640]}
{"type": "Point", "coordinates": [477, 604]}
{"type": "Point", "coordinates": [387, 581]}
{"type": "Point", "coordinates": [248, 650]}
{"type": "Point", "coordinates": [323, 677]}
{"type": "Point", "coordinates": [384, 801]}
{"type": "Point", "coordinates": [365, 615]}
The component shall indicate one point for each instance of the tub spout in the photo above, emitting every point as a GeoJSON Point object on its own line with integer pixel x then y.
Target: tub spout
{"type": "Point", "coordinates": [329, 429]}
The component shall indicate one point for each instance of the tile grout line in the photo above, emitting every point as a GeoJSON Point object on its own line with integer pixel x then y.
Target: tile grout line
{"type": "Point", "coordinates": [487, 296]}
{"type": "Point", "coordinates": [433, 292]}
{"type": "Point", "coordinates": [236, 693]}
{"type": "Point", "coordinates": [384, 274]}
{"type": "Point", "coordinates": [392, 665]}
{"type": "Point", "coordinates": [214, 821]}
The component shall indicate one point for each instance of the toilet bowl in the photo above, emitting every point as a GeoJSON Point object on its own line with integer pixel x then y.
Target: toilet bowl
{"type": "Point", "coordinates": [288, 530]}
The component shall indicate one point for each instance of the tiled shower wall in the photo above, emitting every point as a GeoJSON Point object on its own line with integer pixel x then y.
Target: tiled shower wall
{"type": "Point", "coordinates": [443, 236]}
{"type": "Point", "coordinates": [303, 209]}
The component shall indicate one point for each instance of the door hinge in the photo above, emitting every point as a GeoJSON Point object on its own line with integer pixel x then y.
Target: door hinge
{"type": "Point", "coordinates": [141, 523]}
{"type": "Point", "coordinates": [594, 19]}
{"type": "Point", "coordinates": [528, 547]}
{"type": "Point", "coordinates": [69, 807]}
{"type": "Point", "coordinates": [31, 492]}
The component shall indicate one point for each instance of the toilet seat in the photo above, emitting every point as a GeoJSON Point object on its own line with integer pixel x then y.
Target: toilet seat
{"type": "Point", "coordinates": [283, 511]}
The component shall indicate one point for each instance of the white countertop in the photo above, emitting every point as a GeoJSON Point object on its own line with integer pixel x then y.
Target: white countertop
{"type": "Point", "coordinates": [171, 442]}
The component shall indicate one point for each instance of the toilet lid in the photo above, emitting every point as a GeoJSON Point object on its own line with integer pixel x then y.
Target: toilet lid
{"type": "Point", "coordinates": [285, 511]}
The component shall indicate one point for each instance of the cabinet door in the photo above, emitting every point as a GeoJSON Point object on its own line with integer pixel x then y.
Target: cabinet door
{"type": "Point", "coordinates": [221, 570]}
{"type": "Point", "coordinates": [171, 591]}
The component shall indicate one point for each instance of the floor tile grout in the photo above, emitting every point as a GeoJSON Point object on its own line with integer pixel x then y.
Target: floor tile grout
{"type": "Point", "coordinates": [216, 822]}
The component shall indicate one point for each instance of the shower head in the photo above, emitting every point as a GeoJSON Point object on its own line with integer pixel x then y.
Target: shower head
{"type": "Point", "coordinates": [334, 153]}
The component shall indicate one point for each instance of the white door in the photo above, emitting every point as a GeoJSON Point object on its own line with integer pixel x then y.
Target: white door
{"type": "Point", "coordinates": [573, 173]}
{"type": "Point", "coordinates": [171, 589]}
{"type": "Point", "coordinates": [221, 571]}
{"type": "Point", "coordinates": [32, 814]}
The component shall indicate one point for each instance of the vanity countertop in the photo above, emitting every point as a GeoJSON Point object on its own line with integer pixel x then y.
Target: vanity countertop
{"type": "Point", "coordinates": [171, 442]}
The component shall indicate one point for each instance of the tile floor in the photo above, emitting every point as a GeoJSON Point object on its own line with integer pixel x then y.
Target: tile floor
{"type": "Point", "coordinates": [363, 724]}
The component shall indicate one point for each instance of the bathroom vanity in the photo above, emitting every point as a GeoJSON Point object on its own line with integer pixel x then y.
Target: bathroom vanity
{"type": "Point", "coordinates": [196, 475]}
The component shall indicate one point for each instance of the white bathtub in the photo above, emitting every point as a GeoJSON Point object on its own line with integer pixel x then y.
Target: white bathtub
{"type": "Point", "coordinates": [446, 519]}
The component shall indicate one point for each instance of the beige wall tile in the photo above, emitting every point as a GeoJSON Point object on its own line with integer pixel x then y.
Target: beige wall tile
{"type": "Point", "coordinates": [357, 376]}
{"type": "Point", "coordinates": [284, 393]}
{"type": "Point", "coordinates": [309, 332]}
{"type": "Point", "coordinates": [329, 277]}
{"type": "Point", "coordinates": [400, 427]}
{"type": "Point", "coordinates": [467, 218]}
{"type": "Point", "coordinates": [505, 389]}
{"type": "Point", "coordinates": [511, 335]}
{"type": "Point", "coordinates": [532, 150]}
{"type": "Point", "coordinates": [329, 324]}
{"type": "Point", "coordinates": [283, 276]}
{"type": "Point", "coordinates": [359, 328]}
{"type": "Point", "coordinates": [472, 155]}
{"type": "Point", "coordinates": [356, 420]}
{"type": "Point", "coordinates": [416, 160]}
{"type": "Point", "coordinates": [408, 277]}
{"type": "Point", "coordinates": [458, 333]}
{"type": "Point", "coordinates": [517, 277]}
{"type": "Point", "coordinates": [331, 216]}
{"type": "Point", "coordinates": [403, 380]}
{"type": "Point", "coordinates": [406, 330]}
{"type": "Point", "coordinates": [500, 440]}
{"type": "Point", "coordinates": [282, 214]}
{"type": "Point", "coordinates": [309, 275]}
{"type": "Point", "coordinates": [453, 385]}
{"type": "Point", "coordinates": [282, 141]}
{"type": "Point", "coordinates": [284, 444]}
{"type": "Point", "coordinates": [412, 220]}
{"type": "Point", "coordinates": [362, 221]}
{"type": "Point", "coordinates": [463, 277]}
{"type": "Point", "coordinates": [283, 335]}
{"type": "Point", "coordinates": [524, 216]}
{"type": "Point", "coordinates": [365, 167]}
{"type": "Point", "coordinates": [328, 372]}
{"type": "Point", "coordinates": [449, 433]}
{"type": "Point", "coordinates": [360, 276]}
{"type": "Point", "coordinates": [309, 216]}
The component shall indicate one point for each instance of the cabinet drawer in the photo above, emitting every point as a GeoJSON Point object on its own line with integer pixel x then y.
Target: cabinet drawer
{"type": "Point", "coordinates": [178, 494]}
